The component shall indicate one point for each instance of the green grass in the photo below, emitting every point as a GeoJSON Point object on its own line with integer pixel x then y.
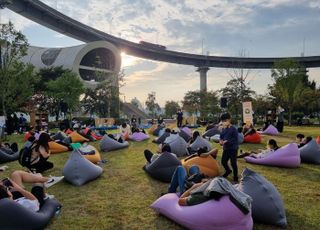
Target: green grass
{"type": "Point", "coordinates": [121, 197]}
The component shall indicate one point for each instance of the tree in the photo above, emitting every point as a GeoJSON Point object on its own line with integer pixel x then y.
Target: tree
{"type": "Point", "coordinates": [289, 88]}
{"type": "Point", "coordinates": [67, 89]}
{"type": "Point", "coordinates": [16, 79]}
{"type": "Point", "coordinates": [200, 101]}
{"type": "Point", "coordinates": [237, 92]}
{"type": "Point", "coordinates": [104, 99]}
{"type": "Point", "coordinates": [151, 104]}
{"type": "Point", "coordinates": [171, 108]}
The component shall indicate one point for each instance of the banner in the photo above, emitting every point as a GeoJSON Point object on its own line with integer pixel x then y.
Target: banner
{"type": "Point", "coordinates": [247, 112]}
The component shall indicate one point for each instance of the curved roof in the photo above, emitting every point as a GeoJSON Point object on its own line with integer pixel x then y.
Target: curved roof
{"type": "Point", "coordinates": [49, 17]}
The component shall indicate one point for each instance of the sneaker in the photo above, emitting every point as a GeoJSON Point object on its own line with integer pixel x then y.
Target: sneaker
{"type": "Point", "coordinates": [48, 196]}
{"type": "Point", "coordinates": [53, 180]}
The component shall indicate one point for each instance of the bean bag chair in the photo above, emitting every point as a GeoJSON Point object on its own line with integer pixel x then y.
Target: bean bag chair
{"type": "Point", "coordinates": [210, 215]}
{"type": "Point", "coordinates": [267, 204]}
{"type": "Point", "coordinates": [60, 136]}
{"type": "Point", "coordinates": [156, 131]}
{"type": "Point", "coordinates": [57, 148]}
{"type": "Point", "coordinates": [161, 132]}
{"type": "Point", "coordinates": [318, 140]}
{"type": "Point", "coordinates": [139, 136]}
{"type": "Point", "coordinates": [17, 217]}
{"type": "Point", "coordinates": [310, 153]}
{"type": "Point", "coordinates": [88, 136]}
{"type": "Point", "coordinates": [78, 170]}
{"type": "Point", "coordinates": [254, 138]}
{"type": "Point", "coordinates": [7, 155]}
{"type": "Point", "coordinates": [75, 146]}
{"type": "Point", "coordinates": [207, 165]}
{"type": "Point", "coordinates": [163, 168]}
{"type": "Point", "coordinates": [200, 142]}
{"type": "Point", "coordinates": [271, 130]}
{"type": "Point", "coordinates": [240, 138]}
{"type": "Point", "coordinates": [215, 138]}
{"type": "Point", "coordinates": [68, 131]}
{"type": "Point", "coordinates": [179, 147]}
{"type": "Point", "coordinates": [27, 135]}
{"type": "Point", "coordinates": [287, 156]}
{"type": "Point", "coordinates": [90, 153]}
{"type": "Point", "coordinates": [108, 144]}
{"type": "Point", "coordinates": [162, 138]}
{"type": "Point", "coordinates": [152, 128]}
{"type": "Point", "coordinates": [76, 137]}
{"type": "Point", "coordinates": [96, 136]}
{"type": "Point", "coordinates": [211, 132]}
{"type": "Point", "coordinates": [184, 135]}
{"type": "Point", "coordinates": [187, 131]}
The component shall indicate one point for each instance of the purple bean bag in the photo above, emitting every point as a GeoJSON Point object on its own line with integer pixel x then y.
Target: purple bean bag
{"type": "Point", "coordinates": [271, 130]}
{"type": "Point", "coordinates": [139, 136]}
{"type": "Point", "coordinates": [287, 156]}
{"type": "Point", "coordinates": [217, 215]}
{"type": "Point", "coordinates": [187, 131]}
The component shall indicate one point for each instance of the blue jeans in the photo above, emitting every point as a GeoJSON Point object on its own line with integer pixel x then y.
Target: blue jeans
{"type": "Point", "coordinates": [179, 176]}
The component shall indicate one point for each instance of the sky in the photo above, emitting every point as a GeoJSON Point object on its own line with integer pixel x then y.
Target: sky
{"type": "Point", "coordinates": [262, 28]}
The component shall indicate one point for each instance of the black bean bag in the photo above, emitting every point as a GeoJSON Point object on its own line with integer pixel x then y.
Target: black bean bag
{"type": "Point", "coordinates": [162, 138]}
{"type": "Point", "coordinates": [163, 168]}
{"type": "Point", "coordinates": [211, 132]}
{"type": "Point", "coordinates": [267, 204]}
{"type": "Point", "coordinates": [179, 147]}
{"type": "Point", "coordinates": [184, 135]}
{"type": "Point", "coordinates": [310, 153]}
{"type": "Point", "coordinates": [15, 217]}
{"type": "Point", "coordinates": [78, 170]}
{"type": "Point", "coordinates": [109, 144]}
{"type": "Point", "coordinates": [7, 155]}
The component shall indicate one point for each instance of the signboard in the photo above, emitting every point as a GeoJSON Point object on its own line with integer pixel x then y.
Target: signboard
{"type": "Point", "coordinates": [247, 112]}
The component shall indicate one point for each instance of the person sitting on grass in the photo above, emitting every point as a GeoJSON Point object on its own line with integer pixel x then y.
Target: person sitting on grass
{"type": "Point", "coordinates": [248, 129]}
{"type": "Point", "coordinates": [125, 129]}
{"type": "Point", "coordinates": [40, 154]}
{"type": "Point", "coordinates": [271, 148]}
{"type": "Point", "coordinates": [13, 189]}
{"type": "Point", "coordinates": [300, 140]}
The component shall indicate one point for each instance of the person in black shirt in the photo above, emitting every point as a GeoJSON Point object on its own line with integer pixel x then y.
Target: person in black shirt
{"type": "Point", "coordinates": [179, 118]}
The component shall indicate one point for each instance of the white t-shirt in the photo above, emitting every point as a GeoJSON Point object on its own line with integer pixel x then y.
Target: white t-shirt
{"type": "Point", "coordinates": [125, 130]}
{"type": "Point", "coordinates": [265, 153]}
{"type": "Point", "coordinates": [32, 205]}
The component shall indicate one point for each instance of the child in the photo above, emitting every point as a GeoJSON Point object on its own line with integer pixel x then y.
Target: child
{"type": "Point", "coordinates": [229, 141]}
{"type": "Point", "coordinates": [271, 148]}
{"type": "Point", "coordinates": [299, 140]}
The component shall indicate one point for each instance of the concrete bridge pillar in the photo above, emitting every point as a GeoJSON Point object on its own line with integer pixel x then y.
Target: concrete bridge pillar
{"type": "Point", "coordinates": [203, 77]}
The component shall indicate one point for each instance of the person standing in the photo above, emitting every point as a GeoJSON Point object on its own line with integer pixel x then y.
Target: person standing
{"type": "Point", "coordinates": [280, 118]}
{"type": "Point", "coordinates": [179, 118]}
{"type": "Point", "coordinates": [229, 141]}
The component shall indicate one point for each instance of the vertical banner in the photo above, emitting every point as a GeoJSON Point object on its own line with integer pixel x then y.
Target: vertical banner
{"type": "Point", "coordinates": [247, 112]}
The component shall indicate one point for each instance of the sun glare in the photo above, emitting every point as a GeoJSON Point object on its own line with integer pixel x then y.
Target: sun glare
{"type": "Point", "coordinates": [127, 60]}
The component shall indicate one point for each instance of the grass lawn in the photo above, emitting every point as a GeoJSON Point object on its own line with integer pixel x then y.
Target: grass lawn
{"type": "Point", "coordinates": [121, 197]}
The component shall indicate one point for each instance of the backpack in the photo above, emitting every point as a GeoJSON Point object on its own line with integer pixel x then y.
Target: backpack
{"type": "Point", "coordinates": [25, 155]}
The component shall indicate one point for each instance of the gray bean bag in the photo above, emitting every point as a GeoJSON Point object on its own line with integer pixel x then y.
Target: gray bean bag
{"type": "Point", "coordinates": [15, 216]}
{"type": "Point", "coordinates": [109, 144]}
{"type": "Point", "coordinates": [7, 155]}
{"type": "Point", "coordinates": [60, 136]}
{"type": "Point", "coordinates": [78, 170]}
{"type": "Point", "coordinates": [163, 168]}
{"type": "Point", "coordinates": [179, 147]}
{"type": "Point", "coordinates": [267, 204]}
{"type": "Point", "coordinates": [310, 153]}
{"type": "Point", "coordinates": [161, 139]}
{"type": "Point", "coordinates": [200, 142]}
{"type": "Point", "coordinates": [215, 138]}
{"type": "Point", "coordinates": [211, 132]}
{"type": "Point", "coordinates": [184, 135]}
